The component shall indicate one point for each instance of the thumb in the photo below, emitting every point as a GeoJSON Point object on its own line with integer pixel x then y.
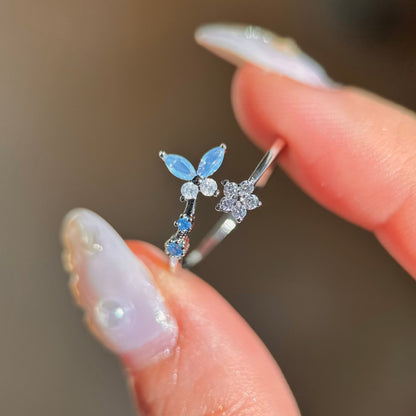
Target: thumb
{"type": "Point", "coordinates": [186, 351]}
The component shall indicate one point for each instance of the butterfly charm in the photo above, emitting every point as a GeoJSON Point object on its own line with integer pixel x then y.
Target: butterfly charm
{"type": "Point", "coordinates": [197, 179]}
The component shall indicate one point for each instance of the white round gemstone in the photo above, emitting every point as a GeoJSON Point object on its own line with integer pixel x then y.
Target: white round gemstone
{"type": "Point", "coordinates": [245, 188]}
{"type": "Point", "coordinates": [251, 202]}
{"type": "Point", "coordinates": [226, 204]}
{"type": "Point", "coordinates": [189, 190]}
{"type": "Point", "coordinates": [238, 211]}
{"type": "Point", "coordinates": [208, 187]}
{"type": "Point", "coordinates": [110, 313]}
{"type": "Point", "coordinates": [231, 190]}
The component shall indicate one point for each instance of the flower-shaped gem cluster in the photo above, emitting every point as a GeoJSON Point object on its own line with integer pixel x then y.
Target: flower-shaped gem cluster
{"type": "Point", "coordinates": [238, 198]}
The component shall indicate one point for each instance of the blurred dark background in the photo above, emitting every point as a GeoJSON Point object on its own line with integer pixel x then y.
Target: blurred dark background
{"type": "Point", "coordinates": [90, 91]}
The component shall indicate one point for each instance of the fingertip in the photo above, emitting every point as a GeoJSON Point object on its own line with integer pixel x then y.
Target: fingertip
{"type": "Point", "coordinates": [265, 102]}
{"type": "Point", "coordinates": [178, 339]}
{"type": "Point", "coordinates": [217, 359]}
{"type": "Point", "coordinates": [350, 150]}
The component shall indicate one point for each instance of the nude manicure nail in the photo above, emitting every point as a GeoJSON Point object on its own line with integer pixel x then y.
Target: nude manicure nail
{"type": "Point", "coordinates": [121, 303]}
{"type": "Point", "coordinates": [239, 44]}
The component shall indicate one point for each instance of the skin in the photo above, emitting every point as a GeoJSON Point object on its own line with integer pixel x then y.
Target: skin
{"type": "Point", "coordinates": [352, 152]}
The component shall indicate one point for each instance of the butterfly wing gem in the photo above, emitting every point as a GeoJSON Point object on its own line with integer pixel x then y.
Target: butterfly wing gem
{"type": "Point", "coordinates": [209, 164]}
{"type": "Point", "coordinates": [179, 166]}
{"type": "Point", "coordinates": [211, 161]}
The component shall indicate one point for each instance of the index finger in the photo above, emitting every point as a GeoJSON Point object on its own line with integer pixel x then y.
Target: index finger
{"type": "Point", "coordinates": [351, 151]}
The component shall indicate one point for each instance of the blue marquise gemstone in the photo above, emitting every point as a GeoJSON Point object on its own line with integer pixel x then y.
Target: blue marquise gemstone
{"type": "Point", "coordinates": [175, 249]}
{"type": "Point", "coordinates": [211, 161]}
{"type": "Point", "coordinates": [184, 224]}
{"type": "Point", "coordinates": [180, 167]}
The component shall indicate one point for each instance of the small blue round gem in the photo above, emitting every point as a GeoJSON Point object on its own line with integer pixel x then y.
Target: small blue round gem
{"type": "Point", "coordinates": [175, 249]}
{"type": "Point", "coordinates": [184, 224]}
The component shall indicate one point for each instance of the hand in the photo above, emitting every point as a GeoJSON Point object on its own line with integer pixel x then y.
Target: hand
{"type": "Point", "coordinates": [188, 352]}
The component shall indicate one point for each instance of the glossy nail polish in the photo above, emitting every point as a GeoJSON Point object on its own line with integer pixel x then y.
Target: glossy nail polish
{"type": "Point", "coordinates": [122, 305]}
{"type": "Point", "coordinates": [239, 44]}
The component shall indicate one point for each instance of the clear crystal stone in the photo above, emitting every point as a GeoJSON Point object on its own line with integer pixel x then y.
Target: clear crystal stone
{"type": "Point", "coordinates": [238, 211]}
{"type": "Point", "coordinates": [251, 201]}
{"type": "Point", "coordinates": [189, 190]}
{"type": "Point", "coordinates": [208, 187]}
{"type": "Point", "coordinates": [226, 204]}
{"type": "Point", "coordinates": [231, 190]}
{"type": "Point", "coordinates": [110, 313]}
{"type": "Point", "coordinates": [245, 188]}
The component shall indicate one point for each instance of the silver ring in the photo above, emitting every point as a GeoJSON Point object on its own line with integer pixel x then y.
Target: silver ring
{"type": "Point", "coordinates": [237, 200]}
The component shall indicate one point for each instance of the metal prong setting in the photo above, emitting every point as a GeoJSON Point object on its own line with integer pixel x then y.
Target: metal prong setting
{"type": "Point", "coordinates": [162, 154]}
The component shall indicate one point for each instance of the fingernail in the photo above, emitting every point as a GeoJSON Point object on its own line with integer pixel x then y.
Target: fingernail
{"type": "Point", "coordinates": [239, 44]}
{"type": "Point", "coordinates": [116, 290]}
